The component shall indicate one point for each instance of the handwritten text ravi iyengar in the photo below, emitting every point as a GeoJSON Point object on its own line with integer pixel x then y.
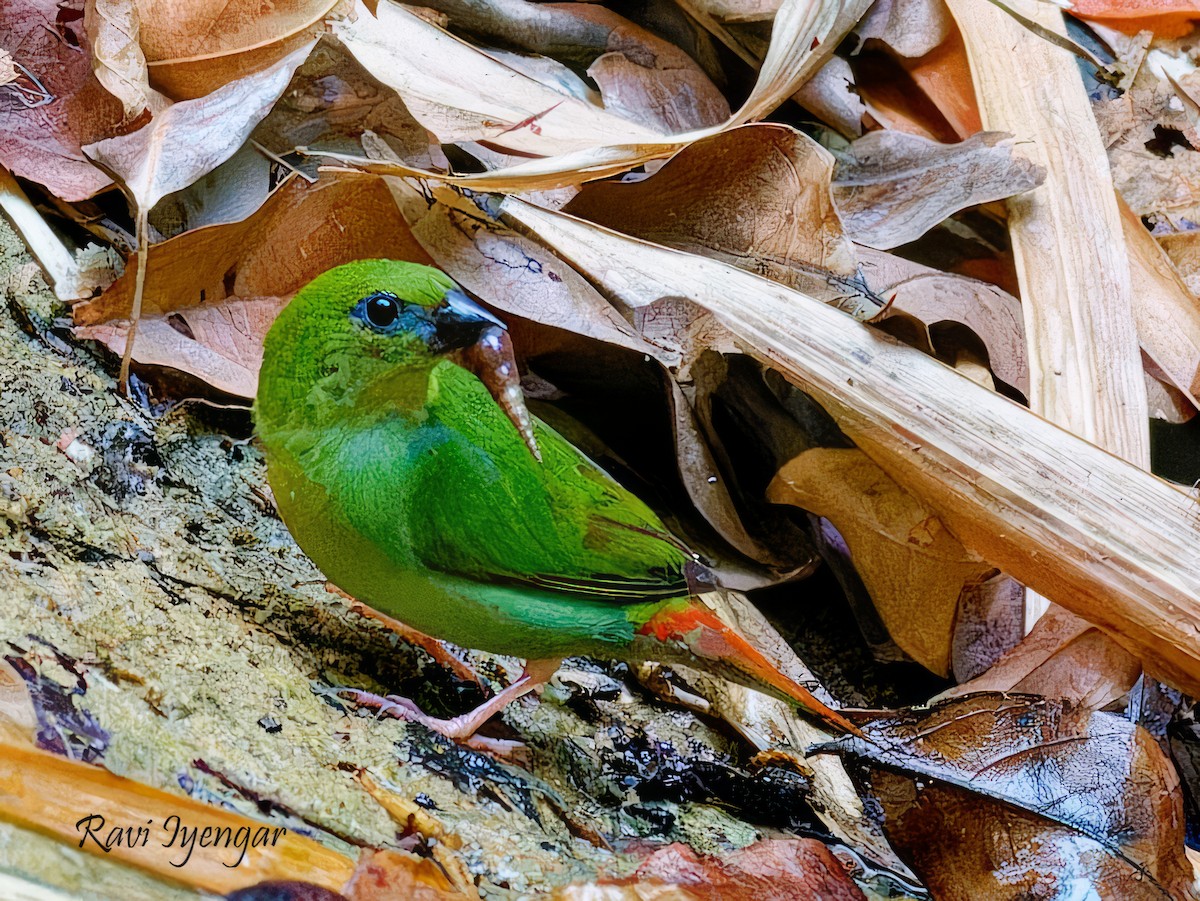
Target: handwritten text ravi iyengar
{"type": "Point", "coordinates": [174, 833]}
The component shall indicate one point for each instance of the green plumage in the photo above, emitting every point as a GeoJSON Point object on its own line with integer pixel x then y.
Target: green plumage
{"type": "Point", "coordinates": [400, 475]}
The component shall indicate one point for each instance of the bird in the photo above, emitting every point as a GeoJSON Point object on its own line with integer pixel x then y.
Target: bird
{"type": "Point", "coordinates": [406, 465]}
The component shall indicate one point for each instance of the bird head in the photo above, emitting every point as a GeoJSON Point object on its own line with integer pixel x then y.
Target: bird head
{"type": "Point", "coordinates": [372, 329]}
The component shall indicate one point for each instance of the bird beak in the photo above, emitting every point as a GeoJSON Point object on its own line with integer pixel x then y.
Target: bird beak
{"type": "Point", "coordinates": [480, 343]}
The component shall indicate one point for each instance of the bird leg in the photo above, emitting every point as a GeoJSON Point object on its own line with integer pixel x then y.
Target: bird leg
{"type": "Point", "coordinates": [464, 726]}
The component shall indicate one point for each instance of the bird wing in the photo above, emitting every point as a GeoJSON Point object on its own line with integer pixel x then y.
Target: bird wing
{"type": "Point", "coordinates": [484, 509]}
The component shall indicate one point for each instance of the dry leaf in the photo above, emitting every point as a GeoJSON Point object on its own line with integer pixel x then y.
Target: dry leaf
{"type": "Point", "coordinates": [913, 568]}
{"type": "Point", "coordinates": [219, 342]}
{"type": "Point", "coordinates": [461, 94]}
{"type": "Point", "coordinates": [58, 105]}
{"type": "Point", "coordinates": [895, 187]}
{"type": "Point", "coordinates": [189, 139]}
{"type": "Point", "coordinates": [1011, 797]}
{"type": "Point", "coordinates": [1166, 18]}
{"type": "Point", "coordinates": [770, 870]}
{"type": "Point", "coordinates": [990, 621]}
{"type": "Point", "coordinates": [112, 28]}
{"type": "Point", "coordinates": [640, 76]}
{"type": "Point", "coordinates": [830, 96]}
{"type": "Point", "coordinates": [384, 875]}
{"type": "Point", "coordinates": [911, 28]}
{"type": "Point", "coordinates": [803, 38]}
{"type": "Point", "coordinates": [934, 297]}
{"type": "Point", "coordinates": [18, 717]}
{"type": "Point", "coordinates": [194, 46]}
{"type": "Point", "coordinates": [1062, 657]}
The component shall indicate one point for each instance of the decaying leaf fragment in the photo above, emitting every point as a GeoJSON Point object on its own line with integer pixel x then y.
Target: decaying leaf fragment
{"type": "Point", "coordinates": [1007, 797]}
{"type": "Point", "coordinates": [893, 187]}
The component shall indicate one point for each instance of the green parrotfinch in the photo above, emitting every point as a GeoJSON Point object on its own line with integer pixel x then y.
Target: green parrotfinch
{"type": "Point", "coordinates": [406, 465]}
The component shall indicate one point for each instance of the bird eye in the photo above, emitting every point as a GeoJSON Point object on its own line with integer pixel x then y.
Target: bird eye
{"type": "Point", "coordinates": [382, 310]}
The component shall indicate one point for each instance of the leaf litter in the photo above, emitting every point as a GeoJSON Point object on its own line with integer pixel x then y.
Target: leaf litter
{"type": "Point", "coordinates": [601, 178]}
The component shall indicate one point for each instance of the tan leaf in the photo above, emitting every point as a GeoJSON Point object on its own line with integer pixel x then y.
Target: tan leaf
{"type": "Point", "coordinates": [194, 47]}
{"type": "Point", "coordinates": [639, 75]}
{"type": "Point", "coordinates": [895, 187]}
{"type": "Point", "coordinates": [913, 568]}
{"type": "Point", "coordinates": [993, 796]}
{"type": "Point", "coordinates": [1065, 657]}
{"type": "Point", "coordinates": [18, 718]}
{"type": "Point", "coordinates": [112, 27]}
{"type": "Point", "coordinates": [909, 27]}
{"type": "Point", "coordinates": [220, 342]}
{"type": "Point", "coordinates": [57, 104]}
{"type": "Point", "coordinates": [8, 72]}
{"type": "Point", "coordinates": [467, 95]}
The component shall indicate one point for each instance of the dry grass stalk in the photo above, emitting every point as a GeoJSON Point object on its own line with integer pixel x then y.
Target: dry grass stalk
{"type": "Point", "coordinates": [1072, 264]}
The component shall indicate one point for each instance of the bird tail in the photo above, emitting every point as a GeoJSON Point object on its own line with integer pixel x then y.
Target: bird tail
{"type": "Point", "coordinates": [722, 649]}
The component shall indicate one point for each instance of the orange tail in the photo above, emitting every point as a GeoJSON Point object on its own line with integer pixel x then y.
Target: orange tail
{"type": "Point", "coordinates": [711, 640]}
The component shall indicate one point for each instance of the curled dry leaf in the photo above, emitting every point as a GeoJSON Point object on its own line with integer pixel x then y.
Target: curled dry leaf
{"type": "Point", "coordinates": [57, 104]}
{"type": "Point", "coordinates": [224, 283]}
{"type": "Point", "coordinates": [895, 187]}
{"type": "Point", "coordinates": [1166, 18]}
{"type": "Point", "coordinates": [911, 28]}
{"type": "Point", "coordinates": [194, 47]}
{"type": "Point", "coordinates": [1063, 657]}
{"type": "Point", "coordinates": [189, 139]}
{"type": "Point", "coordinates": [934, 297]}
{"type": "Point", "coordinates": [112, 28]}
{"type": "Point", "coordinates": [993, 796]}
{"type": "Point", "coordinates": [640, 76]}
{"type": "Point", "coordinates": [912, 566]}
{"type": "Point", "coordinates": [802, 39]}
{"type": "Point", "coordinates": [383, 875]}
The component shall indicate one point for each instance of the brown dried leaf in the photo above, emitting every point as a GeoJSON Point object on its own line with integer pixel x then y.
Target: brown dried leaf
{"type": "Point", "coordinates": [756, 197]}
{"type": "Point", "coordinates": [913, 568]}
{"type": "Point", "coordinates": [769, 870]}
{"type": "Point", "coordinates": [934, 297]}
{"type": "Point", "coordinates": [59, 105]}
{"type": "Point", "coordinates": [384, 875]}
{"type": "Point", "coordinates": [1064, 657]}
{"type": "Point", "coordinates": [264, 256]}
{"type": "Point", "coordinates": [219, 342]}
{"type": "Point", "coordinates": [469, 95]}
{"type": "Point", "coordinates": [1011, 797]}
{"type": "Point", "coordinates": [896, 186]}
{"type": "Point", "coordinates": [195, 46]}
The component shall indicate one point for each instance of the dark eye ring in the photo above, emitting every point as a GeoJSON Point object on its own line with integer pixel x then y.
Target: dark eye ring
{"type": "Point", "coordinates": [381, 310]}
